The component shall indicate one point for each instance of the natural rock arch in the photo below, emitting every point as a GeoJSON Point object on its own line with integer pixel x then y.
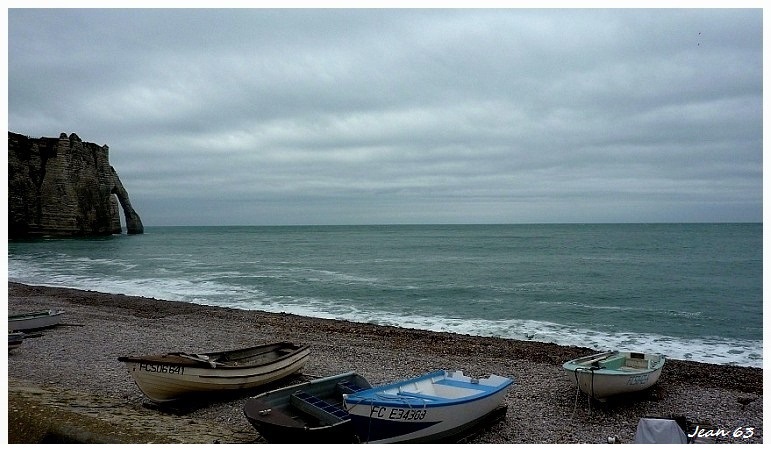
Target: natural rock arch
{"type": "Point", "coordinates": [64, 187]}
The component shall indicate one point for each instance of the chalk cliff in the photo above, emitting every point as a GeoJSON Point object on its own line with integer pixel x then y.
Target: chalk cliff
{"type": "Point", "coordinates": [64, 187]}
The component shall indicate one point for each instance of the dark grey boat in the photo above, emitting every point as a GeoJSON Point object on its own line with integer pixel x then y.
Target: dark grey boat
{"type": "Point", "coordinates": [309, 412]}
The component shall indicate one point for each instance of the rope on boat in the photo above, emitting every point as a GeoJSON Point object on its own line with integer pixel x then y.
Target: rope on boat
{"type": "Point", "coordinates": [575, 401]}
{"type": "Point", "coordinates": [200, 358]}
{"type": "Point", "coordinates": [405, 398]}
{"type": "Point", "coordinates": [590, 395]}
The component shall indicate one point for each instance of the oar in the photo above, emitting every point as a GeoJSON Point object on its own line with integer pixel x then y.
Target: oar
{"type": "Point", "coordinates": [199, 358]}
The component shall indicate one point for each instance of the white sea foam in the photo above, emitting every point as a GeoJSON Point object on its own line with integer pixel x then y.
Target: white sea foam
{"type": "Point", "coordinates": [710, 350]}
{"type": "Point", "coordinates": [223, 289]}
{"type": "Point", "coordinates": [714, 350]}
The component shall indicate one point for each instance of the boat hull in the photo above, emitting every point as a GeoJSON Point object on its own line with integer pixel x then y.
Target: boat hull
{"type": "Point", "coordinates": [610, 374]}
{"type": "Point", "coordinates": [32, 321]}
{"type": "Point", "coordinates": [171, 377]}
{"type": "Point", "coordinates": [387, 416]}
{"type": "Point", "coordinates": [15, 339]}
{"type": "Point", "coordinates": [280, 418]}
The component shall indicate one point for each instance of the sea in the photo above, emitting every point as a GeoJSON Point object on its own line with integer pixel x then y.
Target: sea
{"type": "Point", "coordinates": [690, 291]}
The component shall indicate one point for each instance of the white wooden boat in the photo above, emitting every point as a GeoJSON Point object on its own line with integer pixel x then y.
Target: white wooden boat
{"type": "Point", "coordinates": [173, 376]}
{"type": "Point", "coordinates": [36, 320]}
{"type": "Point", "coordinates": [434, 407]}
{"type": "Point", "coordinates": [310, 412]}
{"type": "Point", "coordinates": [15, 339]}
{"type": "Point", "coordinates": [612, 373]}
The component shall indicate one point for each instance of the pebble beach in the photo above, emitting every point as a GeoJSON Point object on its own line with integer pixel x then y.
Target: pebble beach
{"type": "Point", "coordinates": [66, 384]}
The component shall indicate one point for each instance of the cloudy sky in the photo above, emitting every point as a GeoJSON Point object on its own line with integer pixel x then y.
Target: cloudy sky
{"type": "Point", "coordinates": [380, 116]}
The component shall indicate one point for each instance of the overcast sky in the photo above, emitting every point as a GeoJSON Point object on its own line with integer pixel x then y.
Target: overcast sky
{"type": "Point", "coordinates": [309, 116]}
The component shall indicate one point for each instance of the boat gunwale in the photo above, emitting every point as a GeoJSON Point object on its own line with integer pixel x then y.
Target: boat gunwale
{"type": "Point", "coordinates": [286, 362]}
{"type": "Point", "coordinates": [179, 358]}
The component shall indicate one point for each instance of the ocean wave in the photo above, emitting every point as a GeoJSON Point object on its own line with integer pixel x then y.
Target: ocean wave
{"type": "Point", "coordinates": [717, 350]}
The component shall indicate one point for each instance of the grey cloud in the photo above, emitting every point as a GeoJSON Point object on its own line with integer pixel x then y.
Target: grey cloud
{"type": "Point", "coordinates": [387, 116]}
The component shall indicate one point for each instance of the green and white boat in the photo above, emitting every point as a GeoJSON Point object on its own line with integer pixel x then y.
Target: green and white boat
{"type": "Point", "coordinates": [612, 373]}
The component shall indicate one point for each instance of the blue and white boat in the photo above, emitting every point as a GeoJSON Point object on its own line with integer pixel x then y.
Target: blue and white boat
{"type": "Point", "coordinates": [431, 408]}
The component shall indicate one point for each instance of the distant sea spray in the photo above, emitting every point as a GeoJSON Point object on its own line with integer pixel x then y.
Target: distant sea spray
{"type": "Point", "coordinates": [690, 291]}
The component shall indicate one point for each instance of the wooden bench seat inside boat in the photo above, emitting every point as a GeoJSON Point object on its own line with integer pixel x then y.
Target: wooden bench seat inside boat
{"type": "Point", "coordinates": [636, 363]}
{"type": "Point", "coordinates": [318, 408]}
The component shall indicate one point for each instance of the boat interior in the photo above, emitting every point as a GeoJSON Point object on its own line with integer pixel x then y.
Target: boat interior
{"type": "Point", "coordinates": [621, 361]}
{"type": "Point", "coordinates": [441, 389]}
{"type": "Point", "coordinates": [625, 363]}
{"type": "Point", "coordinates": [324, 409]}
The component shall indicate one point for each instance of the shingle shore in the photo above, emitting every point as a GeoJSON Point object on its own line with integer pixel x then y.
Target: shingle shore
{"type": "Point", "coordinates": [73, 370]}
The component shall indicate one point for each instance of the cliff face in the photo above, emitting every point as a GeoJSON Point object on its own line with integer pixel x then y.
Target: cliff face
{"type": "Point", "coordinates": [64, 187]}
